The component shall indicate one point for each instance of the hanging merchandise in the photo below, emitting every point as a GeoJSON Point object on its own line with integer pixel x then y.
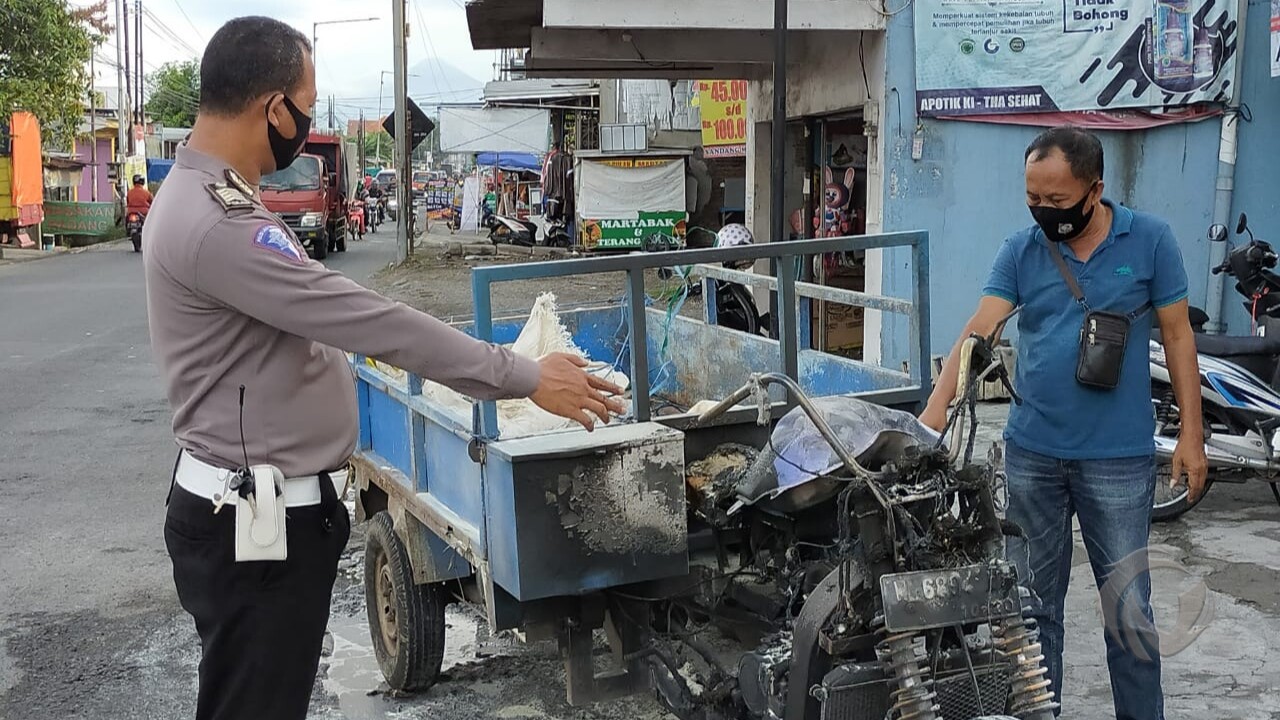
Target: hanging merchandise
{"type": "Point", "coordinates": [557, 184]}
{"type": "Point", "coordinates": [842, 158]}
{"type": "Point", "coordinates": [836, 219]}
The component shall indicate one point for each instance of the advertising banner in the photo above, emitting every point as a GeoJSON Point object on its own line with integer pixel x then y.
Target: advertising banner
{"type": "Point", "coordinates": [723, 104]}
{"type": "Point", "coordinates": [1020, 56]}
{"type": "Point", "coordinates": [79, 218]}
{"type": "Point", "coordinates": [1275, 38]}
{"type": "Point", "coordinates": [631, 233]}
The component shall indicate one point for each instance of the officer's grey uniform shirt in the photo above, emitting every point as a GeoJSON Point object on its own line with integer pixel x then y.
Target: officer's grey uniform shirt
{"type": "Point", "coordinates": [233, 300]}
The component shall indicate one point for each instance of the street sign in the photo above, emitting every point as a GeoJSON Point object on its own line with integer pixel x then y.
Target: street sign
{"type": "Point", "coordinates": [419, 123]}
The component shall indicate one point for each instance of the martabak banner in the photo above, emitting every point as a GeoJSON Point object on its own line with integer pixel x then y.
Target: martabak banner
{"type": "Point", "coordinates": [1026, 56]}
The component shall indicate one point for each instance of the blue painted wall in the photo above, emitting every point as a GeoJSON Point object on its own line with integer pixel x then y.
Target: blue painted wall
{"type": "Point", "coordinates": [1258, 168]}
{"type": "Point", "coordinates": [967, 190]}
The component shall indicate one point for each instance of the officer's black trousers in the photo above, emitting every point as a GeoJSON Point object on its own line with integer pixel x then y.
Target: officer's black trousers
{"type": "Point", "coordinates": [261, 624]}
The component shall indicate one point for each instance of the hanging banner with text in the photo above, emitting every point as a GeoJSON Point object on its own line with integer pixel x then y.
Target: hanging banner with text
{"type": "Point", "coordinates": [723, 104]}
{"type": "Point", "coordinates": [79, 218]}
{"type": "Point", "coordinates": [1019, 56]}
{"type": "Point", "coordinates": [1275, 38]}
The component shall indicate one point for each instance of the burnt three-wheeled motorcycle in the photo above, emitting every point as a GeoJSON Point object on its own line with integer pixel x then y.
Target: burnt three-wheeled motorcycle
{"type": "Point", "coordinates": [839, 562]}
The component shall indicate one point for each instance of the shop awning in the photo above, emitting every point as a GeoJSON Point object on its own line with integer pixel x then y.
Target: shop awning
{"type": "Point", "coordinates": [658, 38]}
{"type": "Point", "coordinates": [158, 169]}
{"type": "Point", "coordinates": [510, 161]}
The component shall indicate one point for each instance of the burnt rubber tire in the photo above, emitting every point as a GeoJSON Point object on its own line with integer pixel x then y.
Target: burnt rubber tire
{"type": "Point", "coordinates": [406, 621]}
{"type": "Point", "coordinates": [1171, 504]}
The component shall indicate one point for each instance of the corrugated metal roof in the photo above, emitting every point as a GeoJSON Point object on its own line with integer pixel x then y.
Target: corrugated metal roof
{"type": "Point", "coordinates": [535, 89]}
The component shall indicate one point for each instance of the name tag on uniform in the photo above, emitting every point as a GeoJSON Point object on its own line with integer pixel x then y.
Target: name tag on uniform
{"type": "Point", "coordinates": [260, 520]}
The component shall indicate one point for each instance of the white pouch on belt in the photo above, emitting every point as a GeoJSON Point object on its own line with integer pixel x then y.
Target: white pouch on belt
{"type": "Point", "coordinates": [260, 522]}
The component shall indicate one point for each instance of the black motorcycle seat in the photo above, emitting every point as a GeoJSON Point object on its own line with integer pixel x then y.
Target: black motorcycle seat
{"type": "Point", "coordinates": [1231, 345]}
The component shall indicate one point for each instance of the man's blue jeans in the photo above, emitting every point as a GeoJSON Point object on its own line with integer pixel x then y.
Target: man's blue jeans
{"type": "Point", "coordinates": [1112, 499]}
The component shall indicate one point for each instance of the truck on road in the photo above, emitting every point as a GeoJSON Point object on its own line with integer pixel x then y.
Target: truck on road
{"type": "Point", "coordinates": [312, 194]}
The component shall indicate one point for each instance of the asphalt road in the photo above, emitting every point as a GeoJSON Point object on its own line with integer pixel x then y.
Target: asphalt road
{"type": "Point", "coordinates": [89, 622]}
{"type": "Point", "coordinates": [90, 626]}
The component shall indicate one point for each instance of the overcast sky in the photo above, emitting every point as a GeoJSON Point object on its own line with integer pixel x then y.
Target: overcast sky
{"type": "Point", "coordinates": [349, 57]}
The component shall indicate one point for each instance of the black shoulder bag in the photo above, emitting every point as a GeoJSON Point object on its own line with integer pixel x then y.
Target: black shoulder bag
{"type": "Point", "coordinates": [1103, 336]}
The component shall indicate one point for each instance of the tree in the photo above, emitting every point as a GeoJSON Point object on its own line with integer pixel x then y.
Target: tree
{"type": "Point", "coordinates": [379, 148]}
{"type": "Point", "coordinates": [45, 46]}
{"type": "Point", "coordinates": [174, 93]}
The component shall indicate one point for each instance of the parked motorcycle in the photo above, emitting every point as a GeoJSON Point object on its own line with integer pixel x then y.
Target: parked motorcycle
{"type": "Point", "coordinates": [510, 231]}
{"type": "Point", "coordinates": [557, 234]}
{"type": "Point", "coordinates": [133, 227]}
{"type": "Point", "coordinates": [1239, 380]}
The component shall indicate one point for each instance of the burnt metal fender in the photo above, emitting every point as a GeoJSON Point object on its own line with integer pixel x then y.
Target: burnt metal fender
{"type": "Point", "coordinates": [809, 662]}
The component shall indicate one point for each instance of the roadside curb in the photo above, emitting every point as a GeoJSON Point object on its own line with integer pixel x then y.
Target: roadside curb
{"type": "Point", "coordinates": [17, 256]}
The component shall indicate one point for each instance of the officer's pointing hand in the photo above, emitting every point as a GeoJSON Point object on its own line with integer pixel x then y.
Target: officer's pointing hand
{"type": "Point", "coordinates": [567, 390]}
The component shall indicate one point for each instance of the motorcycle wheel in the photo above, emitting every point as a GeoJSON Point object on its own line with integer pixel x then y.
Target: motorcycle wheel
{"type": "Point", "coordinates": [137, 243]}
{"type": "Point", "coordinates": [1172, 503]}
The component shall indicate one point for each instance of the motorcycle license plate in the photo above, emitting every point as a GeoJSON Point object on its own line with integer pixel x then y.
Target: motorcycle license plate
{"type": "Point", "coordinates": [942, 598]}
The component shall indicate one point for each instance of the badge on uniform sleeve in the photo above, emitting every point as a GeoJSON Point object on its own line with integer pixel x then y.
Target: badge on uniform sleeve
{"type": "Point", "coordinates": [273, 238]}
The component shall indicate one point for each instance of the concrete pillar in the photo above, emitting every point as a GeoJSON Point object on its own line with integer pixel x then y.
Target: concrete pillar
{"type": "Point", "coordinates": [759, 142]}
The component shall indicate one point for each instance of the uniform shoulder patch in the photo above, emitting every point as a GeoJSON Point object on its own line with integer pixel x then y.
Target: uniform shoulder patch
{"type": "Point", "coordinates": [228, 197]}
{"type": "Point", "coordinates": [237, 181]}
{"type": "Point", "coordinates": [273, 238]}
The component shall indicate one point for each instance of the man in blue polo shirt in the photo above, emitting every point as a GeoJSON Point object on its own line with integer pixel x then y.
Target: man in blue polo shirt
{"type": "Point", "coordinates": [1076, 449]}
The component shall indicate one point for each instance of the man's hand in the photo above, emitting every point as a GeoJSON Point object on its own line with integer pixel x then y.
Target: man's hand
{"type": "Point", "coordinates": [1188, 457]}
{"type": "Point", "coordinates": [567, 390]}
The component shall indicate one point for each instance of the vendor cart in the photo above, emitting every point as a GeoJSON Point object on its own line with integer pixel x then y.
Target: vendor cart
{"type": "Point", "coordinates": [554, 534]}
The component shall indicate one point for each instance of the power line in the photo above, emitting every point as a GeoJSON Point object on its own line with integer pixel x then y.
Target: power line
{"type": "Point", "coordinates": [180, 44]}
{"type": "Point", "coordinates": [432, 54]}
{"type": "Point", "coordinates": [193, 25]}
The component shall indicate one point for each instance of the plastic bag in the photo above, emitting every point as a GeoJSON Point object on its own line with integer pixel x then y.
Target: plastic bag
{"type": "Point", "coordinates": [542, 334]}
{"type": "Point", "coordinates": [803, 454]}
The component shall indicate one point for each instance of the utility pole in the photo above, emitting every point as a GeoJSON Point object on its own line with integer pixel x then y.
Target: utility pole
{"type": "Point", "coordinates": [126, 111]}
{"type": "Point", "coordinates": [360, 144]}
{"type": "Point", "coordinates": [120, 95]}
{"type": "Point", "coordinates": [330, 112]}
{"type": "Point", "coordinates": [93, 130]}
{"type": "Point", "coordinates": [140, 111]}
{"type": "Point", "coordinates": [404, 188]}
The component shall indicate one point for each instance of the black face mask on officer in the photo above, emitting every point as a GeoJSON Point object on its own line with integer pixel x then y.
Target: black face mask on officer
{"type": "Point", "coordinates": [1063, 224]}
{"type": "Point", "coordinates": [284, 150]}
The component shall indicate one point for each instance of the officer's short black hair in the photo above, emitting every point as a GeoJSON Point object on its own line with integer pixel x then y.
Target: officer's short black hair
{"type": "Point", "coordinates": [247, 58]}
{"type": "Point", "coordinates": [1081, 148]}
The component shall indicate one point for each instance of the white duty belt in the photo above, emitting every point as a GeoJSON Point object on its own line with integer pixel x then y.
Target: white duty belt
{"type": "Point", "coordinates": [204, 480]}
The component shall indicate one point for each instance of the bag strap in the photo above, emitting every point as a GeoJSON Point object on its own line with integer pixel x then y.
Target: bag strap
{"type": "Point", "coordinates": [1077, 293]}
{"type": "Point", "coordinates": [1055, 251]}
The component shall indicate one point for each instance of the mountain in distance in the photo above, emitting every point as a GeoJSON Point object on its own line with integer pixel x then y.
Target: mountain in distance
{"type": "Point", "coordinates": [438, 82]}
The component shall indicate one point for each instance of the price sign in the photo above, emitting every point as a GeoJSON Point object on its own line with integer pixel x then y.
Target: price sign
{"type": "Point", "coordinates": [724, 117]}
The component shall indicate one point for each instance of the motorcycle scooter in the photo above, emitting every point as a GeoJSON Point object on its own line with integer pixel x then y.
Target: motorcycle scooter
{"type": "Point", "coordinates": [133, 227]}
{"type": "Point", "coordinates": [1239, 384]}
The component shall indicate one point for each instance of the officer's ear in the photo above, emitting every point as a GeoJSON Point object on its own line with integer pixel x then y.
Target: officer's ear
{"type": "Point", "coordinates": [277, 112]}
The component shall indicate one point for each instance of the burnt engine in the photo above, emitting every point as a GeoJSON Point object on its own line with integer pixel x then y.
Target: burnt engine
{"type": "Point", "coordinates": [846, 598]}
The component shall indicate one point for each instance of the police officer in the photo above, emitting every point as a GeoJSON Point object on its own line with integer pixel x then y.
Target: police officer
{"type": "Point", "coordinates": [248, 334]}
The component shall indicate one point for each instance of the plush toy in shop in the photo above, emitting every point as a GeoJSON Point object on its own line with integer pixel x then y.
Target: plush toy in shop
{"type": "Point", "coordinates": [835, 219]}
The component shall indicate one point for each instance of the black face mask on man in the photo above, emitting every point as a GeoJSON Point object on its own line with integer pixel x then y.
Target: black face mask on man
{"type": "Point", "coordinates": [1063, 224]}
{"type": "Point", "coordinates": [285, 150]}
